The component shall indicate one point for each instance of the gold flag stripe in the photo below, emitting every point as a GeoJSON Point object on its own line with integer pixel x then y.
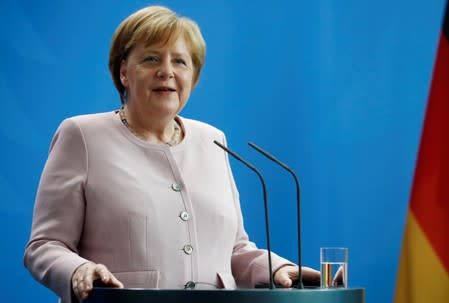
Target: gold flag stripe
{"type": "Point", "coordinates": [422, 277]}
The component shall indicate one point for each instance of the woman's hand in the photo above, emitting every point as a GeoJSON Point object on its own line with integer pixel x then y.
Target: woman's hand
{"type": "Point", "coordinates": [85, 275]}
{"type": "Point", "coordinates": [285, 275]}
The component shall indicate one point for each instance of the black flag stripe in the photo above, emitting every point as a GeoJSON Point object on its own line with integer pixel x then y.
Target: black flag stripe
{"type": "Point", "coordinates": [445, 29]}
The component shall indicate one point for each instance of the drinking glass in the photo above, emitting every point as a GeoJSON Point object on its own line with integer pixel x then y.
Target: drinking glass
{"type": "Point", "coordinates": [334, 267]}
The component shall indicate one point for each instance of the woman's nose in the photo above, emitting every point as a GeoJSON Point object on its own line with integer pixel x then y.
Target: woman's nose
{"type": "Point", "coordinates": [165, 71]}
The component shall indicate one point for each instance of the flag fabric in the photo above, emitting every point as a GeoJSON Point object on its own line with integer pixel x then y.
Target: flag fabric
{"type": "Point", "coordinates": [424, 264]}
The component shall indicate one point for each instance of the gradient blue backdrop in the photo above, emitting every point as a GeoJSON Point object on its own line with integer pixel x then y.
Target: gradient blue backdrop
{"type": "Point", "coordinates": [336, 88]}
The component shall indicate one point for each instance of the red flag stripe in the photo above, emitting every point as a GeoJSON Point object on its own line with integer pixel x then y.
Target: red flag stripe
{"type": "Point", "coordinates": [430, 194]}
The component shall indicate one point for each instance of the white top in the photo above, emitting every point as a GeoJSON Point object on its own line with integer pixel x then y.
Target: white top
{"type": "Point", "coordinates": [156, 216]}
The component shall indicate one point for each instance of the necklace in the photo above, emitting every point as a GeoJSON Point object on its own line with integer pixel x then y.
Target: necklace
{"type": "Point", "coordinates": [174, 140]}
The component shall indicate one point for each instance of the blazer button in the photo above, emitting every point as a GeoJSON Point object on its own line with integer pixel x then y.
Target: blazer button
{"type": "Point", "coordinates": [176, 186]}
{"type": "Point", "coordinates": [184, 216]}
{"type": "Point", "coordinates": [188, 249]}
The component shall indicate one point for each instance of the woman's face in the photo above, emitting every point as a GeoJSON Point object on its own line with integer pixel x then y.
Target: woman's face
{"type": "Point", "coordinates": [158, 78]}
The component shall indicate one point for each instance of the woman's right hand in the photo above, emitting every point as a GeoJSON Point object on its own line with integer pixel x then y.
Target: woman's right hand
{"type": "Point", "coordinates": [85, 275]}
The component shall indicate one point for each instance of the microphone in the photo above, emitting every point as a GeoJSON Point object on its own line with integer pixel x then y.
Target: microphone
{"type": "Point", "coordinates": [265, 201]}
{"type": "Point", "coordinates": [299, 283]}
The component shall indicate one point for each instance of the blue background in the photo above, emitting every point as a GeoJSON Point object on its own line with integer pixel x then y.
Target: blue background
{"type": "Point", "coordinates": [335, 88]}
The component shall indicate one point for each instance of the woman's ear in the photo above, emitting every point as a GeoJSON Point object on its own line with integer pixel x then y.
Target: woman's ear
{"type": "Point", "coordinates": [123, 77]}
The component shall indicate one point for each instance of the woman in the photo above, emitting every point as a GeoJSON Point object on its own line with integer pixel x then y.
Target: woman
{"type": "Point", "coordinates": [141, 197]}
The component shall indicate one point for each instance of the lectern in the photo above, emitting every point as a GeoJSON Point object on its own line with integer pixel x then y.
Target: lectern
{"type": "Point", "coordinates": [128, 295]}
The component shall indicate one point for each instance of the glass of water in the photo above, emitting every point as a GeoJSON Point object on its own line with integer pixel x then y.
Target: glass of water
{"type": "Point", "coordinates": [334, 267]}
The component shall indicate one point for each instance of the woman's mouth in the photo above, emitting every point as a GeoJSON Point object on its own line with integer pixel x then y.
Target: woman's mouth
{"type": "Point", "coordinates": [164, 89]}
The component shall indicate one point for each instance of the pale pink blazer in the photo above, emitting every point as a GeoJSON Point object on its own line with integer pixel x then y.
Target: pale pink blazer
{"type": "Point", "coordinates": [156, 216]}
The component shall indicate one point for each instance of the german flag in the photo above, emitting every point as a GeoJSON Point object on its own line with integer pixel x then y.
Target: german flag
{"type": "Point", "coordinates": [423, 275]}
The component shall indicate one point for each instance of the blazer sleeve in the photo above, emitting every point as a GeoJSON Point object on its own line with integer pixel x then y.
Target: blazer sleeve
{"type": "Point", "coordinates": [51, 254]}
{"type": "Point", "coordinates": [249, 264]}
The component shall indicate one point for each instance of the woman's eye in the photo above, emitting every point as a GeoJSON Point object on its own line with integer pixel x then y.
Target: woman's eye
{"type": "Point", "coordinates": [180, 61]}
{"type": "Point", "coordinates": [151, 59]}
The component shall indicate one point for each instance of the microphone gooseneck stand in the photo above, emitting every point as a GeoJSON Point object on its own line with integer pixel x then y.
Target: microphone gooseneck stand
{"type": "Point", "coordinates": [265, 200]}
{"type": "Point", "coordinates": [299, 285]}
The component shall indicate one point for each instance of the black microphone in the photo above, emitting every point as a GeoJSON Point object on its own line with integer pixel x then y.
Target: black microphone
{"type": "Point", "coordinates": [299, 283]}
{"type": "Point", "coordinates": [265, 201]}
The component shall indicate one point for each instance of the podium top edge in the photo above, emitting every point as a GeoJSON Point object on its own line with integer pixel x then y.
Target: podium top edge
{"type": "Point", "coordinates": [281, 295]}
{"type": "Point", "coordinates": [243, 290]}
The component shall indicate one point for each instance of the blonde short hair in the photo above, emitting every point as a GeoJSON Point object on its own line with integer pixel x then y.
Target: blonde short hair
{"type": "Point", "coordinates": [153, 25]}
